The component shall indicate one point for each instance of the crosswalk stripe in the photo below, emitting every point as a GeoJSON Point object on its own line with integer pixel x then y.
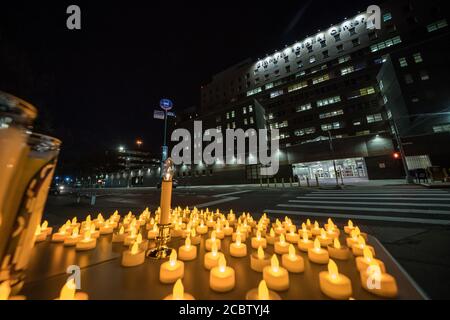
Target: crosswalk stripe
{"type": "Point", "coordinates": [374, 198]}
{"type": "Point", "coordinates": [362, 217]}
{"type": "Point", "coordinates": [406, 204]}
{"type": "Point", "coordinates": [420, 211]}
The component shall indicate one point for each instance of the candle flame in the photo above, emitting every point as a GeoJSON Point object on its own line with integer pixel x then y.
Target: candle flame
{"type": "Point", "coordinates": [368, 256]}
{"type": "Point", "coordinates": [316, 225]}
{"type": "Point", "coordinates": [88, 218]}
{"type": "Point", "coordinates": [317, 244]}
{"type": "Point", "coordinates": [87, 235]}
{"type": "Point", "coordinates": [173, 258]}
{"type": "Point", "coordinates": [263, 291]}
{"type": "Point", "coordinates": [333, 269]}
{"type": "Point", "coordinates": [75, 232]}
{"type": "Point", "coordinates": [323, 235]}
{"type": "Point", "coordinates": [308, 222]}
{"type": "Point", "coordinates": [282, 239]}
{"type": "Point", "coordinates": [305, 236]}
{"type": "Point", "coordinates": [68, 290]}
{"type": "Point", "coordinates": [38, 230]}
{"type": "Point", "coordinates": [336, 244]}
{"type": "Point", "coordinates": [193, 233]}
{"type": "Point", "coordinates": [122, 230]}
{"type": "Point", "coordinates": [291, 252]}
{"type": "Point", "coordinates": [361, 242]}
{"type": "Point", "coordinates": [275, 265]}
{"type": "Point", "coordinates": [74, 220]}
{"type": "Point", "coordinates": [44, 225]}
{"type": "Point", "coordinates": [292, 229]}
{"type": "Point", "coordinates": [5, 290]}
{"type": "Point", "coordinates": [272, 233]}
{"type": "Point", "coordinates": [178, 290]}
{"type": "Point", "coordinates": [350, 223]}
{"type": "Point", "coordinates": [187, 243]}
{"type": "Point", "coordinates": [213, 236]}
{"type": "Point", "coordinates": [303, 227]}
{"type": "Point", "coordinates": [222, 263]}
{"type": "Point", "coordinates": [134, 248]}
{"type": "Point", "coordinates": [139, 238]}
{"type": "Point", "coordinates": [238, 240]}
{"type": "Point", "coordinates": [260, 253]}
{"type": "Point", "coordinates": [258, 235]}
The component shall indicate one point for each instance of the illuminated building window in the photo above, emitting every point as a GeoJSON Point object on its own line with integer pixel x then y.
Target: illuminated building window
{"type": "Point", "coordinates": [275, 94]}
{"type": "Point", "coordinates": [297, 86]}
{"type": "Point", "coordinates": [306, 131]}
{"type": "Point", "coordinates": [331, 114]}
{"type": "Point", "coordinates": [244, 110]}
{"type": "Point", "coordinates": [387, 16]}
{"type": "Point", "coordinates": [344, 59]}
{"type": "Point", "coordinates": [442, 128]}
{"type": "Point", "coordinates": [403, 62]}
{"type": "Point", "coordinates": [347, 70]}
{"type": "Point", "coordinates": [254, 91]}
{"type": "Point", "coordinates": [232, 114]}
{"type": "Point", "coordinates": [303, 107]}
{"type": "Point", "coordinates": [437, 25]}
{"type": "Point", "coordinates": [371, 118]}
{"type": "Point", "coordinates": [356, 123]}
{"type": "Point", "coordinates": [251, 120]}
{"type": "Point", "coordinates": [327, 101]}
{"type": "Point", "coordinates": [312, 59]}
{"type": "Point", "coordinates": [321, 78]}
{"type": "Point", "coordinates": [270, 116]}
{"type": "Point", "coordinates": [331, 126]}
{"type": "Point", "coordinates": [417, 57]}
{"type": "Point", "coordinates": [233, 125]}
{"type": "Point", "coordinates": [362, 92]}
{"type": "Point", "coordinates": [269, 85]}
{"type": "Point", "coordinates": [250, 109]}
{"type": "Point", "coordinates": [385, 44]}
{"type": "Point", "coordinates": [245, 121]}
{"type": "Point", "coordinates": [228, 115]}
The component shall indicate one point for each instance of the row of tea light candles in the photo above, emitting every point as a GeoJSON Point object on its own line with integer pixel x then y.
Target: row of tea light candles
{"type": "Point", "coordinates": [191, 225]}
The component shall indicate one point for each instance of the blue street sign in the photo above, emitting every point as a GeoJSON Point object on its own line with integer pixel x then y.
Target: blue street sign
{"type": "Point", "coordinates": [158, 114]}
{"type": "Point", "coordinates": [166, 104]}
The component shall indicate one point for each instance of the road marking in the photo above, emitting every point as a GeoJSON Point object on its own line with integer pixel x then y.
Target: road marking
{"type": "Point", "coordinates": [362, 217]}
{"type": "Point", "coordinates": [375, 198]}
{"type": "Point", "coordinates": [405, 204]}
{"type": "Point", "coordinates": [230, 193]}
{"type": "Point", "coordinates": [423, 211]}
{"type": "Point", "coordinates": [439, 193]}
{"type": "Point", "coordinates": [378, 193]}
{"type": "Point", "coordinates": [211, 203]}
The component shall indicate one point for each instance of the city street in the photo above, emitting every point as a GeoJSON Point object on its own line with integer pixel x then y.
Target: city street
{"type": "Point", "coordinates": [412, 222]}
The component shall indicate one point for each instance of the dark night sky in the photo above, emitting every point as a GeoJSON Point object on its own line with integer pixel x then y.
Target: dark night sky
{"type": "Point", "coordinates": [97, 88]}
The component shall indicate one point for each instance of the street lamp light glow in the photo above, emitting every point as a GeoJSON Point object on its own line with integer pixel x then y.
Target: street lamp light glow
{"type": "Point", "coordinates": [121, 148]}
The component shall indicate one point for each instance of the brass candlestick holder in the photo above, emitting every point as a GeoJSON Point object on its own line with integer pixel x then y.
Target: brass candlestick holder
{"type": "Point", "coordinates": [162, 250]}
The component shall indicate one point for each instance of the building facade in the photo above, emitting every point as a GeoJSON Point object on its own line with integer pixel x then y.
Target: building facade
{"type": "Point", "coordinates": [323, 94]}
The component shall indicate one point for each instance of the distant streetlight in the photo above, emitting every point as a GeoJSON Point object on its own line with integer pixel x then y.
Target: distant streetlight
{"type": "Point", "coordinates": [139, 143]}
{"type": "Point", "coordinates": [121, 148]}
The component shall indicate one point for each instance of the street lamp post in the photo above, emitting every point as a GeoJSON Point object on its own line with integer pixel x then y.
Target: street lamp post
{"type": "Point", "coordinates": [332, 154]}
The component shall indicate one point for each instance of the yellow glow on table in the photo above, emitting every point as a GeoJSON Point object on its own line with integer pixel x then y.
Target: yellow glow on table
{"type": "Point", "coordinates": [333, 284]}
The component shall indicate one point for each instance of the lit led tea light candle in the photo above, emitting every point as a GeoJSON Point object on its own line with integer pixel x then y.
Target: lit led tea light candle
{"type": "Point", "coordinates": [292, 236]}
{"type": "Point", "coordinates": [210, 241]}
{"type": "Point", "coordinates": [106, 228]}
{"type": "Point", "coordinates": [333, 284]}
{"type": "Point", "coordinates": [305, 243]}
{"type": "Point", "coordinates": [120, 236]}
{"type": "Point", "coordinates": [210, 223]}
{"type": "Point", "coordinates": [133, 257]}
{"type": "Point", "coordinates": [220, 234]}
{"type": "Point", "coordinates": [195, 238]}
{"type": "Point", "coordinates": [178, 292]}
{"type": "Point", "coordinates": [332, 231]}
{"type": "Point", "coordinates": [5, 290]}
{"type": "Point", "coordinates": [227, 230]}
{"type": "Point", "coordinates": [241, 233]}
{"type": "Point", "coordinates": [353, 239]}
{"type": "Point", "coordinates": [187, 252]}
{"type": "Point", "coordinates": [202, 229]}
{"type": "Point", "coordinates": [259, 241]}
{"type": "Point", "coordinates": [336, 251]}
{"type": "Point", "coordinates": [87, 243]}
{"type": "Point", "coordinates": [349, 227]}
{"type": "Point", "coordinates": [304, 229]}
{"type": "Point", "coordinates": [259, 260]}
{"type": "Point", "coordinates": [292, 261]}
{"type": "Point", "coordinates": [238, 249]}
{"type": "Point", "coordinates": [39, 235]}
{"type": "Point", "coordinates": [60, 235]}
{"type": "Point", "coordinates": [281, 246]}
{"type": "Point", "coordinates": [211, 259]}
{"type": "Point", "coordinates": [177, 231]}
{"type": "Point", "coordinates": [271, 237]}
{"type": "Point", "coordinates": [308, 224]}
{"type": "Point", "coordinates": [73, 238]}
{"type": "Point", "coordinates": [153, 233]}
{"type": "Point", "coordinates": [358, 249]}
{"type": "Point", "coordinates": [323, 238]}
{"type": "Point", "coordinates": [378, 283]}
{"type": "Point", "coordinates": [94, 233]}
{"type": "Point", "coordinates": [262, 293]}
{"type": "Point", "coordinates": [276, 277]}
{"type": "Point", "coordinates": [68, 292]}
{"type": "Point", "coordinates": [316, 230]}
{"type": "Point", "coordinates": [130, 238]}
{"type": "Point", "coordinates": [143, 244]}
{"type": "Point", "coordinates": [279, 228]}
{"type": "Point", "coordinates": [362, 263]}
{"type": "Point", "coordinates": [45, 228]}
{"type": "Point", "coordinates": [222, 278]}
{"type": "Point", "coordinates": [317, 254]}
{"type": "Point", "coordinates": [171, 270]}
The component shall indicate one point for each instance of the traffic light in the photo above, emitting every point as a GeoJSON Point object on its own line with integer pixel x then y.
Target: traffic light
{"type": "Point", "coordinates": [396, 155]}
